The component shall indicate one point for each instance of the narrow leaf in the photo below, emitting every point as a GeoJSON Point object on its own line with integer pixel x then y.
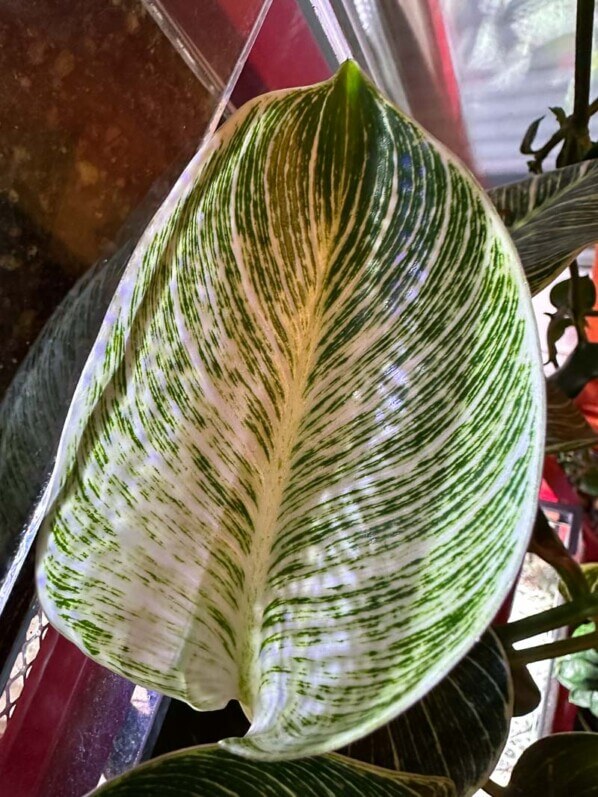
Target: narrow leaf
{"type": "Point", "coordinates": [262, 490]}
{"type": "Point", "coordinates": [529, 137]}
{"type": "Point", "coordinates": [212, 772]}
{"type": "Point", "coordinates": [557, 326]}
{"type": "Point", "coordinates": [551, 218]}
{"type": "Point", "coordinates": [559, 114]}
{"type": "Point", "coordinates": [566, 427]}
{"type": "Point", "coordinates": [562, 765]}
{"type": "Point", "coordinates": [458, 730]}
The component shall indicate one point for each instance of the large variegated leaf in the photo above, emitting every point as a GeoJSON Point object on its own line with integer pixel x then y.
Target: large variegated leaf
{"type": "Point", "coordinates": [301, 464]}
{"type": "Point", "coordinates": [563, 765]}
{"type": "Point", "coordinates": [551, 218]}
{"type": "Point", "coordinates": [566, 427]}
{"type": "Point", "coordinates": [458, 730]}
{"type": "Point", "coordinates": [212, 772]}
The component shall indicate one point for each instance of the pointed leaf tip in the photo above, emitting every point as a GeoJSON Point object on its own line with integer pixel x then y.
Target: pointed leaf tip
{"type": "Point", "coordinates": [350, 77]}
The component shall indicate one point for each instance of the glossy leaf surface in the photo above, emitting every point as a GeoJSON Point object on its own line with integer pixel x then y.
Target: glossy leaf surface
{"type": "Point", "coordinates": [301, 464]}
{"type": "Point", "coordinates": [458, 730]}
{"type": "Point", "coordinates": [551, 217]}
{"type": "Point", "coordinates": [562, 765]}
{"type": "Point", "coordinates": [212, 772]}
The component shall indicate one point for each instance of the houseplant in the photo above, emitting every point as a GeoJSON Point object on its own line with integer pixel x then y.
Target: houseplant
{"type": "Point", "coordinates": [76, 558]}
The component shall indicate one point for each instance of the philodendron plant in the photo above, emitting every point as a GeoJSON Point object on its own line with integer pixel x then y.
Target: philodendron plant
{"type": "Point", "coordinates": [301, 464]}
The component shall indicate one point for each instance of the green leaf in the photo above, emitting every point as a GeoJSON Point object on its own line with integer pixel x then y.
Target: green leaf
{"type": "Point", "coordinates": [560, 295]}
{"type": "Point", "coordinates": [566, 427]}
{"type": "Point", "coordinates": [588, 483]}
{"type": "Point", "coordinates": [589, 571]}
{"type": "Point", "coordinates": [559, 115]}
{"type": "Point", "coordinates": [212, 772]}
{"type": "Point", "coordinates": [562, 765]}
{"type": "Point", "coordinates": [529, 137]}
{"type": "Point", "coordinates": [552, 217]}
{"type": "Point", "coordinates": [578, 672]}
{"type": "Point", "coordinates": [580, 367]}
{"type": "Point", "coordinates": [587, 293]}
{"type": "Point", "coordinates": [458, 730]}
{"type": "Point", "coordinates": [561, 298]}
{"type": "Point", "coordinates": [527, 696]}
{"type": "Point", "coordinates": [301, 464]}
{"type": "Point", "coordinates": [558, 324]}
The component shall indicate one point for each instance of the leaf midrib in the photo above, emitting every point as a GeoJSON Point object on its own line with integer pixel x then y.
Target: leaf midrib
{"type": "Point", "coordinates": [275, 480]}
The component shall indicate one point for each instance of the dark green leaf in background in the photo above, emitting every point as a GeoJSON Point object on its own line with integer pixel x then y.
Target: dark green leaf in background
{"type": "Point", "coordinates": [458, 730]}
{"type": "Point", "coordinates": [213, 772]}
{"type": "Point", "coordinates": [562, 765]}
{"type": "Point", "coordinates": [529, 137]}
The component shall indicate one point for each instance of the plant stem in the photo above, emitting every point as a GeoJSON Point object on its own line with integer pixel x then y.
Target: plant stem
{"type": "Point", "coordinates": [585, 726]}
{"type": "Point", "coordinates": [578, 315]}
{"type": "Point", "coordinates": [584, 37]}
{"type": "Point", "coordinates": [546, 544]}
{"type": "Point", "coordinates": [493, 789]}
{"type": "Point", "coordinates": [584, 32]}
{"type": "Point", "coordinates": [541, 154]}
{"type": "Point", "coordinates": [571, 613]}
{"type": "Point", "coordinates": [553, 650]}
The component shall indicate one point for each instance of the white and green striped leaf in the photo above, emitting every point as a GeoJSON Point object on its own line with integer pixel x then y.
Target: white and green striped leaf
{"type": "Point", "coordinates": [566, 427]}
{"type": "Point", "coordinates": [212, 772]}
{"type": "Point", "coordinates": [301, 464]}
{"type": "Point", "coordinates": [458, 730]}
{"type": "Point", "coordinates": [552, 217]}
